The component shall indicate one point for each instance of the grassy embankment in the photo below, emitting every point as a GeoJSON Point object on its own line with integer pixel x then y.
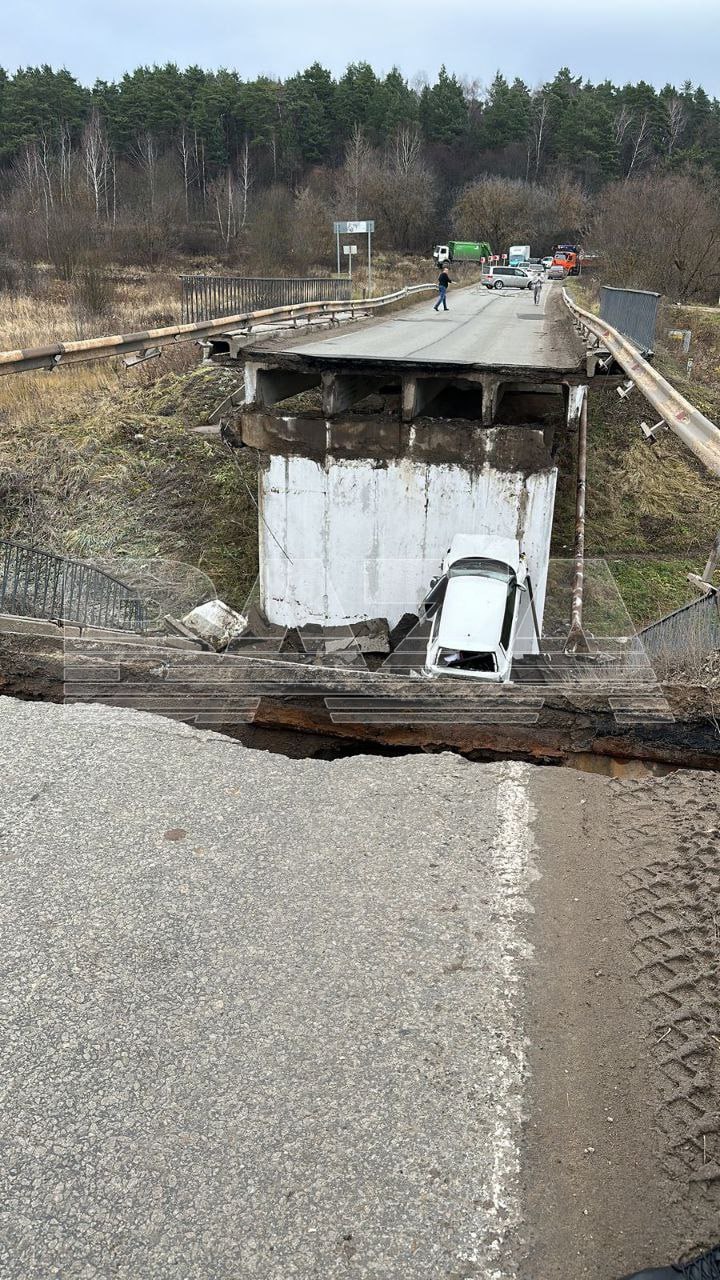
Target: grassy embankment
{"type": "Point", "coordinates": [652, 510]}
{"type": "Point", "coordinates": [98, 461]}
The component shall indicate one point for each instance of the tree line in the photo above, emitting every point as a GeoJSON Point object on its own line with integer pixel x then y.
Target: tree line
{"type": "Point", "coordinates": [593, 132]}
{"type": "Point", "coordinates": [208, 162]}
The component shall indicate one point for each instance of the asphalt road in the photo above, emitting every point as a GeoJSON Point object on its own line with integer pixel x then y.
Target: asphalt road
{"type": "Point", "coordinates": [363, 1018]}
{"type": "Point", "coordinates": [481, 326]}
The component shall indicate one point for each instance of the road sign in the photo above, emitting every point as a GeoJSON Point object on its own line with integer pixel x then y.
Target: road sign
{"type": "Point", "coordinates": [354, 228]}
{"type": "Point", "coordinates": [365, 228]}
{"type": "Point", "coordinates": [349, 248]}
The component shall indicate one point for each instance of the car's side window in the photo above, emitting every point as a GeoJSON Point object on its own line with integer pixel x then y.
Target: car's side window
{"type": "Point", "coordinates": [508, 615]}
{"type": "Point", "coordinates": [435, 597]}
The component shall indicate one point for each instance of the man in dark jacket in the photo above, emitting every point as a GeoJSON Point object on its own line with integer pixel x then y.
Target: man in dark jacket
{"type": "Point", "coordinates": [443, 282]}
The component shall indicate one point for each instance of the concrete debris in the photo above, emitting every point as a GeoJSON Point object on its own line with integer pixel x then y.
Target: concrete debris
{"type": "Point", "coordinates": [372, 636]}
{"type": "Point", "coordinates": [215, 623]}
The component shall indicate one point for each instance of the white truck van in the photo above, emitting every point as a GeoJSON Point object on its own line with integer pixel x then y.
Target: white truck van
{"type": "Point", "coordinates": [517, 254]}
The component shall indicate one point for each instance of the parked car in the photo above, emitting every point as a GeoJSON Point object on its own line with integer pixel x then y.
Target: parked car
{"type": "Point", "coordinates": [506, 277]}
{"type": "Point", "coordinates": [547, 261]}
{"type": "Point", "coordinates": [556, 273]}
{"type": "Point", "coordinates": [475, 607]}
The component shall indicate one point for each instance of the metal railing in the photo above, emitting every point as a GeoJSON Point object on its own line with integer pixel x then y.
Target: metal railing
{"type": "Point", "coordinates": [633, 312]}
{"type": "Point", "coordinates": [691, 426]}
{"type": "Point", "coordinates": [209, 297]}
{"type": "Point", "coordinates": [150, 341]}
{"type": "Point", "coordinates": [693, 630]}
{"type": "Point", "coordinates": [40, 584]}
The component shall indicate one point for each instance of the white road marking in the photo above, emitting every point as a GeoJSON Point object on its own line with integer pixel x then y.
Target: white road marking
{"type": "Point", "coordinates": [514, 869]}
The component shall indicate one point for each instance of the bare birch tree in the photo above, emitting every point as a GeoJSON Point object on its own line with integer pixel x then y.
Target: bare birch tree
{"type": "Point", "coordinates": [676, 120]}
{"type": "Point", "coordinates": [222, 193]}
{"type": "Point", "coordinates": [65, 161]}
{"type": "Point", "coordinates": [407, 147]}
{"type": "Point", "coordinates": [145, 153]}
{"type": "Point", "coordinates": [357, 159]}
{"type": "Point", "coordinates": [246, 180]}
{"type": "Point", "coordinates": [536, 139]}
{"type": "Point", "coordinates": [185, 148]}
{"type": "Point", "coordinates": [96, 158]}
{"type": "Point", "coordinates": [640, 141]}
{"type": "Point", "coordinates": [622, 120]}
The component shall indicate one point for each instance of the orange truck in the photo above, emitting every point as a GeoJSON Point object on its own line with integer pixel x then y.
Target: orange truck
{"type": "Point", "coordinates": [567, 256]}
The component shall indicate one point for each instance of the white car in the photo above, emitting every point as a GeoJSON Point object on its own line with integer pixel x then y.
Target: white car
{"type": "Point", "coordinates": [475, 607]}
{"type": "Point", "coordinates": [547, 261]}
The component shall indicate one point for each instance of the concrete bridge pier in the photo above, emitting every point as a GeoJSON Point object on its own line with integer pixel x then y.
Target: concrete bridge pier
{"type": "Point", "coordinates": [356, 511]}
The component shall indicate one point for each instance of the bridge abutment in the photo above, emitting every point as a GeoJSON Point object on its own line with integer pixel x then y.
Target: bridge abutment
{"type": "Point", "coordinates": [356, 513]}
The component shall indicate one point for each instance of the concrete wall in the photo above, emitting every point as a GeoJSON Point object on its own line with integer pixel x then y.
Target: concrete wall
{"type": "Point", "coordinates": [344, 540]}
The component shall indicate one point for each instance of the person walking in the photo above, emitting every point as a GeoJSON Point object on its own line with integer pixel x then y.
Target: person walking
{"type": "Point", "coordinates": [537, 288]}
{"type": "Point", "coordinates": [443, 282]}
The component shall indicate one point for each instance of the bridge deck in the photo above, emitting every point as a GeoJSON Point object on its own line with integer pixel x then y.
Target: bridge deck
{"type": "Point", "coordinates": [481, 331]}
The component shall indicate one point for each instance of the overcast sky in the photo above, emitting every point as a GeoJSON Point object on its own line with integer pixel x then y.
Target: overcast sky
{"type": "Point", "coordinates": [622, 40]}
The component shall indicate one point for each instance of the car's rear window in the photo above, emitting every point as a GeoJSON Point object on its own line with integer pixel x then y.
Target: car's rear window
{"type": "Point", "coordinates": [481, 565]}
{"type": "Point", "coordinates": [466, 660]}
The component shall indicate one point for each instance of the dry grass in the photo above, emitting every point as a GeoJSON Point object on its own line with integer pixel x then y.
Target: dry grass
{"type": "Point", "coordinates": [692, 668]}
{"type": "Point", "coordinates": [53, 311]}
{"type": "Point", "coordinates": [99, 462]}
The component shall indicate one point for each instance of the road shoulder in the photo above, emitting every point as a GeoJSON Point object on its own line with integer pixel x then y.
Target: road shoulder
{"type": "Point", "coordinates": [600, 1200]}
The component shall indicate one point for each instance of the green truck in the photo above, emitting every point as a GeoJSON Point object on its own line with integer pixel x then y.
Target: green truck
{"type": "Point", "coordinates": [462, 251]}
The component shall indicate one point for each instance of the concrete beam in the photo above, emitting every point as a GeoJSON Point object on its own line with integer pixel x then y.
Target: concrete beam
{"type": "Point", "coordinates": [267, 386]}
{"type": "Point", "coordinates": [594, 359]}
{"type": "Point", "coordinates": [342, 390]}
{"type": "Point", "coordinates": [575, 400]}
{"type": "Point", "coordinates": [417, 394]}
{"type": "Point", "coordinates": [492, 392]}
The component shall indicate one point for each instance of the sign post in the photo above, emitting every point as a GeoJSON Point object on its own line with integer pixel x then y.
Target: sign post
{"type": "Point", "coordinates": [366, 227]}
{"type": "Point", "coordinates": [350, 250]}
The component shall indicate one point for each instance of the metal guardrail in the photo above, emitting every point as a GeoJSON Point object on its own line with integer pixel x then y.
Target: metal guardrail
{"type": "Point", "coordinates": [693, 630]}
{"type": "Point", "coordinates": [150, 341]}
{"type": "Point", "coordinates": [209, 297]}
{"type": "Point", "coordinates": [40, 584]}
{"type": "Point", "coordinates": [691, 426]}
{"type": "Point", "coordinates": [633, 312]}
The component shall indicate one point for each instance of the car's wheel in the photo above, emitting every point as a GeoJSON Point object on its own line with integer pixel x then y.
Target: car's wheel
{"type": "Point", "coordinates": [498, 284]}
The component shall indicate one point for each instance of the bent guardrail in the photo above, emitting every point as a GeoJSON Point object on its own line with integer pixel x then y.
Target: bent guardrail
{"type": "Point", "coordinates": [149, 341]}
{"type": "Point", "coordinates": [691, 426]}
{"type": "Point", "coordinates": [41, 584]}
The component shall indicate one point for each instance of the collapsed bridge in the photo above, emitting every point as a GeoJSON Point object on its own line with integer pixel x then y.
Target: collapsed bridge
{"type": "Point", "coordinates": [378, 444]}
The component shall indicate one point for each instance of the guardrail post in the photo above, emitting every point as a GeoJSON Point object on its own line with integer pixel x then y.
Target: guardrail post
{"type": "Point", "coordinates": [577, 641]}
